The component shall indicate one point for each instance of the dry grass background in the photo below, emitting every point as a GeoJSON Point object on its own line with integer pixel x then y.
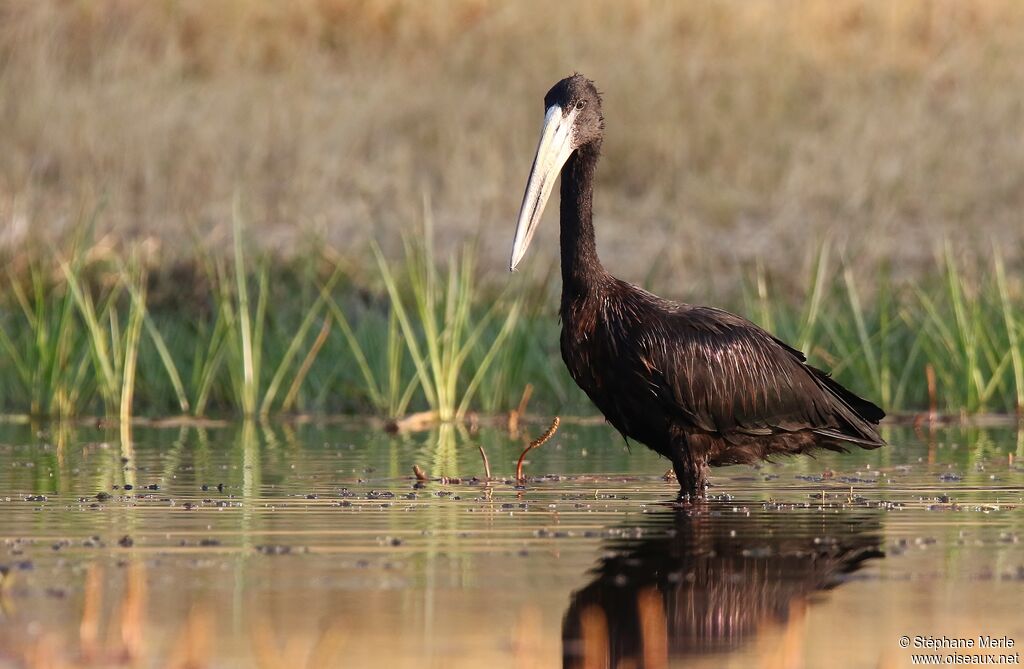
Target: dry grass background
{"type": "Point", "coordinates": [737, 129]}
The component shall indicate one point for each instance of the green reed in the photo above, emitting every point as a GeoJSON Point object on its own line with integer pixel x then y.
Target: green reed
{"type": "Point", "coordinates": [387, 381]}
{"type": "Point", "coordinates": [45, 351]}
{"type": "Point", "coordinates": [81, 335]}
{"type": "Point", "coordinates": [113, 346]}
{"type": "Point", "coordinates": [245, 340]}
{"type": "Point", "coordinates": [1013, 321]}
{"type": "Point", "coordinates": [442, 323]}
{"type": "Point", "coordinates": [964, 327]}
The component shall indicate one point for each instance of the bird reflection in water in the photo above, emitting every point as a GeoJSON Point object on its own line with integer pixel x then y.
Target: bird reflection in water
{"type": "Point", "coordinates": [693, 582]}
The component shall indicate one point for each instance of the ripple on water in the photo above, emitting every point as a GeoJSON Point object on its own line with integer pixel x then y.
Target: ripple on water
{"type": "Point", "coordinates": [320, 542]}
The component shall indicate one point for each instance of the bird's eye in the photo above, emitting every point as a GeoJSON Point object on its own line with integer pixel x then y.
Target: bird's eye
{"type": "Point", "coordinates": [581, 104]}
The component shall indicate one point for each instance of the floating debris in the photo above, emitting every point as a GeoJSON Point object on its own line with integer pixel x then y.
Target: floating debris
{"type": "Point", "coordinates": [274, 549]}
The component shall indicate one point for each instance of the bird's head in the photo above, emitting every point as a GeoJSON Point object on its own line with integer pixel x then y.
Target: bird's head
{"type": "Point", "coordinates": [572, 118]}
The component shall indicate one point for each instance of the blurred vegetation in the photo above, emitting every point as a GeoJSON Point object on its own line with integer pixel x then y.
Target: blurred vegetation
{"type": "Point", "coordinates": [838, 170]}
{"type": "Point", "coordinates": [738, 130]}
{"type": "Point", "coordinates": [96, 332]}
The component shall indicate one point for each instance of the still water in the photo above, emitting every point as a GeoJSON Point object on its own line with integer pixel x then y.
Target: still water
{"type": "Point", "coordinates": [314, 546]}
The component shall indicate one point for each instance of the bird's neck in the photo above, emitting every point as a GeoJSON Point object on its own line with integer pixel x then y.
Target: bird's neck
{"type": "Point", "coordinates": [581, 268]}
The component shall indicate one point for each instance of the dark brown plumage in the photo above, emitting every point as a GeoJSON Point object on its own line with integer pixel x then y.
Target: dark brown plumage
{"type": "Point", "coordinates": [699, 385]}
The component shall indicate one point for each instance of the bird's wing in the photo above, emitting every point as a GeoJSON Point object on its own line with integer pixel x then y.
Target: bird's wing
{"type": "Point", "coordinates": [724, 374]}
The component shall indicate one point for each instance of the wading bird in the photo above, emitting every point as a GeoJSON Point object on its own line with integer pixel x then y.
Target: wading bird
{"type": "Point", "coordinates": [699, 385]}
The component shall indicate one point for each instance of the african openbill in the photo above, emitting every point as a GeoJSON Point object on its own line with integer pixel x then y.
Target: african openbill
{"type": "Point", "coordinates": [699, 385]}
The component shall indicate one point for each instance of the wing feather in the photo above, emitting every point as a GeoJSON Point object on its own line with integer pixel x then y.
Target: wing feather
{"type": "Point", "coordinates": [724, 374]}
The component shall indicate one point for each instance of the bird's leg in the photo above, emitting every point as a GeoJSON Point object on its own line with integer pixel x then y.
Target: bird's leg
{"type": "Point", "coordinates": [687, 491]}
{"type": "Point", "coordinates": [702, 479]}
{"type": "Point", "coordinates": [692, 477]}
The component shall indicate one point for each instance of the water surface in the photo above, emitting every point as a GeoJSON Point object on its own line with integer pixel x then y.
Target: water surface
{"type": "Point", "coordinates": [292, 546]}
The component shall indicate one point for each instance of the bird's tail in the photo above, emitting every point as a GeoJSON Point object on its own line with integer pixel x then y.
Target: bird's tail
{"type": "Point", "coordinates": [859, 415]}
